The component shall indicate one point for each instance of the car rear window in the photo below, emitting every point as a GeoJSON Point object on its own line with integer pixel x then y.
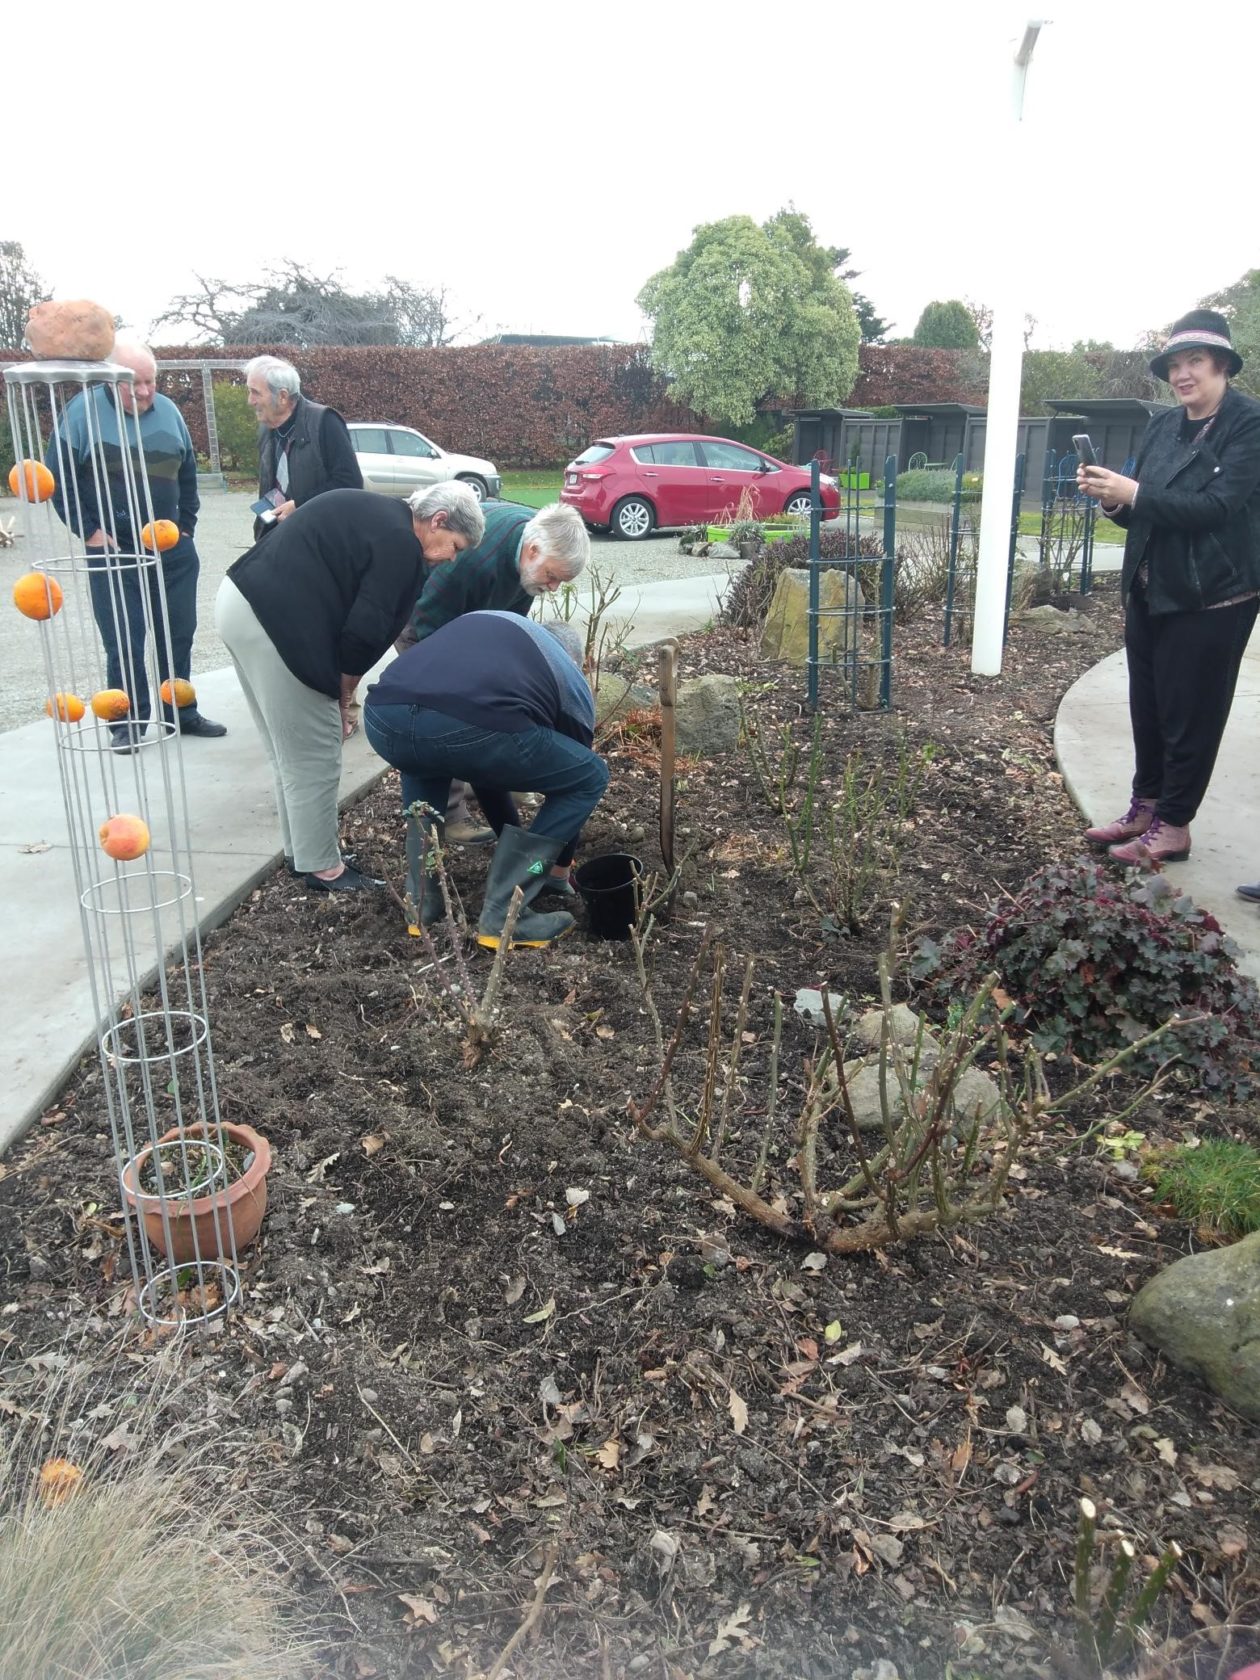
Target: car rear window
{"type": "Point", "coordinates": [596, 452]}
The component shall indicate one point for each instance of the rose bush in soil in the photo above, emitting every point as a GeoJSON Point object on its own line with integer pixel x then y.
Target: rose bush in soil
{"type": "Point", "coordinates": [1093, 961]}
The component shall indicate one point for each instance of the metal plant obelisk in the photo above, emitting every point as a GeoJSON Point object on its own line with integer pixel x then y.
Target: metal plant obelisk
{"type": "Point", "coordinates": [122, 782]}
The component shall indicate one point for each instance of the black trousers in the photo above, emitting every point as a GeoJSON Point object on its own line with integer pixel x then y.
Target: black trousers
{"type": "Point", "coordinates": [1183, 668]}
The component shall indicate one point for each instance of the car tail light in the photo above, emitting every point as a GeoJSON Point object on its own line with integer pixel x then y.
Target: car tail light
{"type": "Point", "coordinates": [594, 477]}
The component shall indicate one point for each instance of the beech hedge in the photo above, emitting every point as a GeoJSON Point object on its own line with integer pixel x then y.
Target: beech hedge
{"type": "Point", "coordinates": [526, 406]}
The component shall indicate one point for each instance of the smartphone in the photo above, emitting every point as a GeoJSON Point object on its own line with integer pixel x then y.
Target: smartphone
{"type": "Point", "coordinates": [1084, 449]}
{"type": "Point", "coordinates": [264, 510]}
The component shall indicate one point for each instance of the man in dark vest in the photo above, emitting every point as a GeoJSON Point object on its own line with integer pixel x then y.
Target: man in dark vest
{"type": "Point", "coordinates": [304, 448]}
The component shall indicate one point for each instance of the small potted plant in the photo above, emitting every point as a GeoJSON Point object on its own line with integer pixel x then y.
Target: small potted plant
{"type": "Point", "coordinates": [197, 1174]}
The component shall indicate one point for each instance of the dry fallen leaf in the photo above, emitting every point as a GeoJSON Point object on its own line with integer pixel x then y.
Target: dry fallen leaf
{"type": "Point", "coordinates": [514, 1291]}
{"type": "Point", "coordinates": [371, 1143]}
{"type": "Point", "coordinates": [288, 1032]}
{"type": "Point", "coordinates": [541, 1314]}
{"type": "Point", "coordinates": [739, 1412]}
{"type": "Point", "coordinates": [313, 1032]}
{"type": "Point", "coordinates": [420, 1611]}
{"type": "Point", "coordinates": [609, 1455]}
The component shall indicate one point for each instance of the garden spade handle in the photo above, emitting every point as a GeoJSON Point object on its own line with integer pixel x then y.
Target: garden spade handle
{"type": "Point", "coordinates": [666, 676]}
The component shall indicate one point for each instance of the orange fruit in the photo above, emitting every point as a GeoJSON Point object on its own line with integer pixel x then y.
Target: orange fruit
{"type": "Point", "coordinates": [40, 483]}
{"type": "Point", "coordinates": [68, 707]}
{"type": "Point", "coordinates": [161, 535]}
{"type": "Point", "coordinates": [124, 837]}
{"type": "Point", "coordinates": [58, 1479]}
{"type": "Point", "coordinates": [177, 692]}
{"type": "Point", "coordinates": [111, 704]}
{"type": "Point", "coordinates": [37, 595]}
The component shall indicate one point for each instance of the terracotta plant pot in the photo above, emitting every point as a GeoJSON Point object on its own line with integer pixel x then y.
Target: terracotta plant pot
{"type": "Point", "coordinates": [246, 1197]}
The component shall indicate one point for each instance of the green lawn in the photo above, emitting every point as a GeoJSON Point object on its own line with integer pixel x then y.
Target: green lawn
{"type": "Point", "coordinates": [1104, 530]}
{"type": "Point", "coordinates": [535, 489]}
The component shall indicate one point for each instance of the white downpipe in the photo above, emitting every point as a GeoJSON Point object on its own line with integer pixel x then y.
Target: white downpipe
{"type": "Point", "coordinates": [1006, 360]}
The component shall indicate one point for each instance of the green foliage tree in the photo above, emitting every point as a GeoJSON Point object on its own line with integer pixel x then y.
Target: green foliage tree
{"type": "Point", "coordinates": [947, 325]}
{"type": "Point", "coordinates": [823, 260]}
{"type": "Point", "coordinates": [20, 290]}
{"type": "Point", "coordinates": [749, 312]}
{"type": "Point", "coordinates": [1240, 304]}
{"type": "Point", "coordinates": [237, 426]}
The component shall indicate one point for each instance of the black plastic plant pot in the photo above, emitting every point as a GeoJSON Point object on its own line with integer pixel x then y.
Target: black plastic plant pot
{"type": "Point", "coordinates": [609, 886]}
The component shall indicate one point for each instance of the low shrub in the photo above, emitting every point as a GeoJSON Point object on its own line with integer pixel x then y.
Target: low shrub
{"type": "Point", "coordinates": [237, 427]}
{"type": "Point", "coordinates": [927, 484]}
{"type": "Point", "coordinates": [1094, 961]}
{"type": "Point", "coordinates": [747, 601]}
{"type": "Point", "coordinates": [1216, 1184]}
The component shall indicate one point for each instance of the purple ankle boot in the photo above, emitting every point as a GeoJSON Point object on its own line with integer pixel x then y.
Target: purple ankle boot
{"type": "Point", "coordinates": [1136, 820]}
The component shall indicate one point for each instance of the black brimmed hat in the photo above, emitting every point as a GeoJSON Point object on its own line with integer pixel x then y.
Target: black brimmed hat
{"type": "Point", "coordinates": [1201, 329]}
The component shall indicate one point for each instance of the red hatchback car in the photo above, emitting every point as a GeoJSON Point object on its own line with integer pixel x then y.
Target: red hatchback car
{"type": "Point", "coordinates": [632, 485]}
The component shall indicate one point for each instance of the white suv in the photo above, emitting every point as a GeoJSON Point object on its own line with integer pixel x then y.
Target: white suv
{"type": "Point", "coordinates": [396, 460]}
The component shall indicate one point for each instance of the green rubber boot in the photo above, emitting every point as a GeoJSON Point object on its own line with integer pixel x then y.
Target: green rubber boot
{"type": "Point", "coordinates": [522, 860]}
{"type": "Point", "coordinates": [424, 887]}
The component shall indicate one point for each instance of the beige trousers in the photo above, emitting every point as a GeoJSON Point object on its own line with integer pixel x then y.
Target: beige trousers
{"type": "Point", "coordinates": [300, 729]}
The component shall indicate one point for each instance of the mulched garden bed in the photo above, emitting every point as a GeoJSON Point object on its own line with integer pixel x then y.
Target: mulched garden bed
{"type": "Point", "coordinates": [491, 1335]}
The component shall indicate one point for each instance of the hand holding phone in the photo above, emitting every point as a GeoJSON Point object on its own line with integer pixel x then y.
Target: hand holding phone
{"type": "Point", "coordinates": [1084, 449]}
{"type": "Point", "coordinates": [264, 510]}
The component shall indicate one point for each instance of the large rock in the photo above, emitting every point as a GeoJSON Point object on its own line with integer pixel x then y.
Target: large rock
{"type": "Point", "coordinates": [786, 633]}
{"type": "Point", "coordinates": [1203, 1314]}
{"type": "Point", "coordinates": [707, 715]}
{"type": "Point", "coordinates": [70, 331]}
{"type": "Point", "coordinates": [976, 1096]}
{"type": "Point", "coordinates": [707, 710]}
{"type": "Point", "coordinates": [1053, 621]}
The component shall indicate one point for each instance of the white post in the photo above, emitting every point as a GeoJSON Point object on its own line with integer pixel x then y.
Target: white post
{"type": "Point", "coordinates": [1006, 358]}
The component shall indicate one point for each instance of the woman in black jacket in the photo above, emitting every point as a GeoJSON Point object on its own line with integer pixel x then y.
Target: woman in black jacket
{"type": "Point", "coordinates": [1190, 582]}
{"type": "Point", "coordinates": [304, 614]}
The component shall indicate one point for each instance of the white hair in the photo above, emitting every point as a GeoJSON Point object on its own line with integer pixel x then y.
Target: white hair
{"type": "Point", "coordinates": [132, 347]}
{"type": "Point", "coordinates": [457, 502]}
{"type": "Point", "coordinates": [282, 378]}
{"type": "Point", "coordinates": [561, 537]}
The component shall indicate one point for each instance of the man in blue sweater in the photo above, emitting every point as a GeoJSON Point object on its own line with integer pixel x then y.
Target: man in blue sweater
{"type": "Point", "coordinates": [100, 512]}
{"type": "Point", "coordinates": [500, 701]}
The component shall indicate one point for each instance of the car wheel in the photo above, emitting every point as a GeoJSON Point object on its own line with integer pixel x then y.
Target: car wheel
{"type": "Point", "coordinates": [475, 484]}
{"type": "Point", "coordinates": [633, 519]}
{"type": "Point", "coordinates": [799, 505]}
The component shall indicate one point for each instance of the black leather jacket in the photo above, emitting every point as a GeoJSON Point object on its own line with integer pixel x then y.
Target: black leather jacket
{"type": "Point", "coordinates": [1196, 521]}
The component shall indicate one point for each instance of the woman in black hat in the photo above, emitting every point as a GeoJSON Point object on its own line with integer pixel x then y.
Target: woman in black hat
{"type": "Point", "coordinates": [1190, 582]}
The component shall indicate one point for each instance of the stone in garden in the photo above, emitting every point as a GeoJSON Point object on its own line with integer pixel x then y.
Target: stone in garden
{"type": "Point", "coordinates": [707, 715]}
{"type": "Point", "coordinates": [616, 696]}
{"type": "Point", "coordinates": [1203, 1314]}
{"type": "Point", "coordinates": [70, 331]}
{"type": "Point", "coordinates": [1052, 621]}
{"type": "Point", "coordinates": [903, 1022]}
{"type": "Point", "coordinates": [808, 1004]}
{"type": "Point", "coordinates": [975, 1094]}
{"type": "Point", "coordinates": [786, 633]}
{"type": "Point", "coordinates": [707, 711]}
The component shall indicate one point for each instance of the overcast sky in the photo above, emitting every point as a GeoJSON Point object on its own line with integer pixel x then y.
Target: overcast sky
{"type": "Point", "coordinates": [542, 161]}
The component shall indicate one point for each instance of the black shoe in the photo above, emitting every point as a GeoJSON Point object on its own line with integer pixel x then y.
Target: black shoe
{"type": "Point", "coordinates": [127, 737]}
{"type": "Point", "coordinates": [198, 725]}
{"type": "Point", "coordinates": [1251, 893]}
{"type": "Point", "coordinates": [349, 881]}
{"type": "Point", "coordinates": [348, 858]}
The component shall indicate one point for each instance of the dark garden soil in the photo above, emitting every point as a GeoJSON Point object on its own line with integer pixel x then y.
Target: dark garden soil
{"type": "Point", "coordinates": [491, 1335]}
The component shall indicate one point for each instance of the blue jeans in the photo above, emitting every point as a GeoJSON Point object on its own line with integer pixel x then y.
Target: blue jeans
{"type": "Point", "coordinates": [118, 607]}
{"type": "Point", "coordinates": [431, 749]}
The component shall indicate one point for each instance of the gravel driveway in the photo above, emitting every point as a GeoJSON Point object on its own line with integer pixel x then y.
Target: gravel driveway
{"type": "Point", "coordinates": [223, 532]}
